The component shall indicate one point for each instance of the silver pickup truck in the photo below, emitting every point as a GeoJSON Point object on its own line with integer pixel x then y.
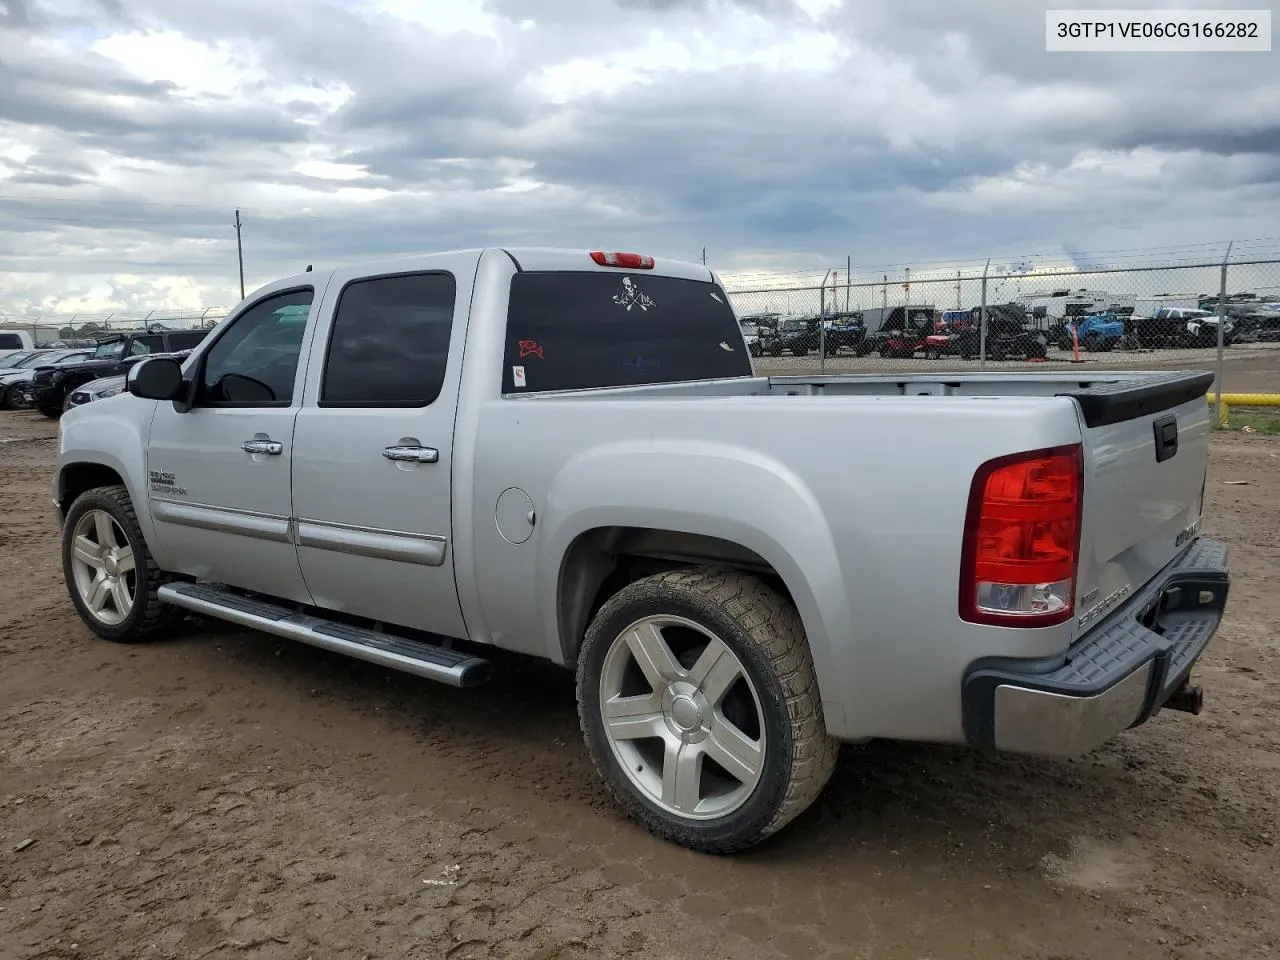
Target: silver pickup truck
{"type": "Point", "coordinates": [568, 455]}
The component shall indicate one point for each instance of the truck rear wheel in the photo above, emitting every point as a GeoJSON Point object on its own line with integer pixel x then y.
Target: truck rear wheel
{"type": "Point", "coordinates": [109, 570]}
{"type": "Point", "coordinates": [699, 705]}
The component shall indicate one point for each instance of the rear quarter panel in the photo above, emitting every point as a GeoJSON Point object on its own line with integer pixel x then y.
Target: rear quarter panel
{"type": "Point", "coordinates": [858, 503]}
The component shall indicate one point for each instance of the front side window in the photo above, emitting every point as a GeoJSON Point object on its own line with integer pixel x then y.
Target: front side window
{"type": "Point", "coordinates": [570, 330]}
{"type": "Point", "coordinates": [390, 342]}
{"type": "Point", "coordinates": [255, 362]}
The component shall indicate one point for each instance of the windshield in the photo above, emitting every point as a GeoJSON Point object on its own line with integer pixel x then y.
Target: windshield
{"type": "Point", "coordinates": [23, 360]}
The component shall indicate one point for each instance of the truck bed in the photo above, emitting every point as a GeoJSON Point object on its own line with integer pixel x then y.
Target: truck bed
{"type": "Point", "coordinates": [864, 487]}
{"type": "Point", "coordinates": [1136, 389]}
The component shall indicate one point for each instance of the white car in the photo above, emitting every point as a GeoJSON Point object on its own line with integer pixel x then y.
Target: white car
{"type": "Point", "coordinates": [98, 389]}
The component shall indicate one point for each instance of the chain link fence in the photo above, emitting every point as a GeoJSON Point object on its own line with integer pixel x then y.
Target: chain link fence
{"type": "Point", "coordinates": [1223, 317]}
{"type": "Point", "coordinates": [82, 328]}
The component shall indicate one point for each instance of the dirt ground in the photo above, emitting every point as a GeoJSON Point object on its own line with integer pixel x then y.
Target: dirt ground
{"type": "Point", "coordinates": [223, 794]}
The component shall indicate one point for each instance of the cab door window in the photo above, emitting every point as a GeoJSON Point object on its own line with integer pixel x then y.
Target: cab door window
{"type": "Point", "coordinates": [255, 362]}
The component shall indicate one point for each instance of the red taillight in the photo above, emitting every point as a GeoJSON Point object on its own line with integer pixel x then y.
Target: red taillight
{"type": "Point", "coordinates": [628, 261]}
{"type": "Point", "coordinates": [1022, 539]}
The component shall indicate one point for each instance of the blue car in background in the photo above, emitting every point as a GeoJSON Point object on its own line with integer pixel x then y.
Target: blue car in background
{"type": "Point", "coordinates": [1095, 332]}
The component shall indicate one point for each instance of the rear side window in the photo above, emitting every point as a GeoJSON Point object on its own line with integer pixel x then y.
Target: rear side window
{"type": "Point", "coordinates": [185, 341]}
{"type": "Point", "coordinates": [11, 341]}
{"type": "Point", "coordinates": [580, 330]}
{"type": "Point", "coordinates": [390, 342]}
{"type": "Point", "coordinates": [141, 346]}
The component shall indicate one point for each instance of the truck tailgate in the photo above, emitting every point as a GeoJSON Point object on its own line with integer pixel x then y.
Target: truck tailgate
{"type": "Point", "coordinates": [1146, 445]}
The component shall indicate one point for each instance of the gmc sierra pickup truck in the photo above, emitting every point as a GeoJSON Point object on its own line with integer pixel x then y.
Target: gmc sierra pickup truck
{"type": "Point", "coordinates": [568, 455]}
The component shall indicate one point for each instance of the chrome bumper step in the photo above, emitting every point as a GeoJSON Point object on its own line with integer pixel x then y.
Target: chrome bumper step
{"type": "Point", "coordinates": [399, 653]}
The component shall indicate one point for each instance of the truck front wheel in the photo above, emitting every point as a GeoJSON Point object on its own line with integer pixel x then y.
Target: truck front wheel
{"type": "Point", "coordinates": [109, 570]}
{"type": "Point", "coordinates": [699, 704]}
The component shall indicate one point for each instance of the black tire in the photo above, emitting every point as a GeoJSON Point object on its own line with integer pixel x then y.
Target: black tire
{"type": "Point", "coordinates": [933, 353]}
{"type": "Point", "coordinates": [1092, 343]}
{"type": "Point", "coordinates": [149, 617]}
{"type": "Point", "coordinates": [7, 394]}
{"type": "Point", "coordinates": [775, 351]}
{"type": "Point", "coordinates": [763, 630]}
{"type": "Point", "coordinates": [799, 352]}
{"type": "Point", "coordinates": [53, 413]}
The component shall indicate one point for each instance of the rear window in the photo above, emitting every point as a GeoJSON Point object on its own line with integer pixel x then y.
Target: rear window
{"type": "Point", "coordinates": [576, 331]}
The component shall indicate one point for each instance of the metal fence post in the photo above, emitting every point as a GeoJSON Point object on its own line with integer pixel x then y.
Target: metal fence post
{"type": "Point", "coordinates": [982, 320]}
{"type": "Point", "coordinates": [1222, 315]}
{"type": "Point", "coordinates": [822, 327]}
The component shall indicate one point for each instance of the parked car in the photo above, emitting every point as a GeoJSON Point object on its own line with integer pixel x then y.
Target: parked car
{"type": "Point", "coordinates": [112, 386]}
{"type": "Point", "coordinates": [15, 383]}
{"type": "Point", "coordinates": [1008, 336]}
{"type": "Point", "coordinates": [843, 330]}
{"type": "Point", "coordinates": [19, 358]}
{"type": "Point", "coordinates": [1195, 328]}
{"type": "Point", "coordinates": [795, 335]}
{"type": "Point", "coordinates": [14, 341]}
{"type": "Point", "coordinates": [759, 329]}
{"type": "Point", "coordinates": [51, 387]}
{"type": "Point", "coordinates": [902, 333]}
{"type": "Point", "coordinates": [1096, 332]}
{"type": "Point", "coordinates": [1013, 563]}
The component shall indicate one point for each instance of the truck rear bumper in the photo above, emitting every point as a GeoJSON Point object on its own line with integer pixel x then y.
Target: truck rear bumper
{"type": "Point", "coordinates": [1117, 676]}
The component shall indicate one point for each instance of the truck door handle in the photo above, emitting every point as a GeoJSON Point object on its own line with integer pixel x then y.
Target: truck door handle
{"type": "Point", "coordinates": [411, 454]}
{"type": "Point", "coordinates": [272, 448]}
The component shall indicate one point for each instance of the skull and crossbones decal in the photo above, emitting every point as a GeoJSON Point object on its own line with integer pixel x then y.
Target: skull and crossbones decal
{"type": "Point", "coordinates": [631, 296]}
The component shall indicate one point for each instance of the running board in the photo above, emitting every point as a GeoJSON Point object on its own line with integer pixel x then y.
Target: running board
{"type": "Point", "coordinates": [399, 653]}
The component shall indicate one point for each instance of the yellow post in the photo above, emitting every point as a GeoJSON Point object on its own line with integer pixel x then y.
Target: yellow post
{"type": "Point", "coordinates": [1244, 400]}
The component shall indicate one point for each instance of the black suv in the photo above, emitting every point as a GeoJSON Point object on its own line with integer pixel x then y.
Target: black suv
{"type": "Point", "coordinates": [50, 386]}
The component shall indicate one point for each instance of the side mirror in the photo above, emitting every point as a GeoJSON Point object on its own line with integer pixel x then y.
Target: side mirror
{"type": "Point", "coordinates": [157, 379]}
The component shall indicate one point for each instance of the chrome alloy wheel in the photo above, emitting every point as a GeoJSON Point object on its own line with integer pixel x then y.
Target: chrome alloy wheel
{"type": "Point", "coordinates": [682, 717]}
{"type": "Point", "coordinates": [103, 566]}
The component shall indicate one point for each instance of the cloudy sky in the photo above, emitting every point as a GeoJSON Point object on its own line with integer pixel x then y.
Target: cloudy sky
{"type": "Point", "coordinates": [782, 135]}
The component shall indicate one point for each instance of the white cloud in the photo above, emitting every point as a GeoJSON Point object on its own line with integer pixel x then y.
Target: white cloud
{"type": "Point", "coordinates": [196, 69]}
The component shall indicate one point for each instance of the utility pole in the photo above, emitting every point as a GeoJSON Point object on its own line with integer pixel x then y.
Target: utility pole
{"type": "Point", "coordinates": [848, 280]}
{"type": "Point", "coordinates": [704, 256]}
{"type": "Point", "coordinates": [240, 254]}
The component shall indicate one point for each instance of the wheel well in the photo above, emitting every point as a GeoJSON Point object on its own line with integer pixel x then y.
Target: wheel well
{"type": "Point", "coordinates": [79, 477]}
{"type": "Point", "coordinates": [602, 561]}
